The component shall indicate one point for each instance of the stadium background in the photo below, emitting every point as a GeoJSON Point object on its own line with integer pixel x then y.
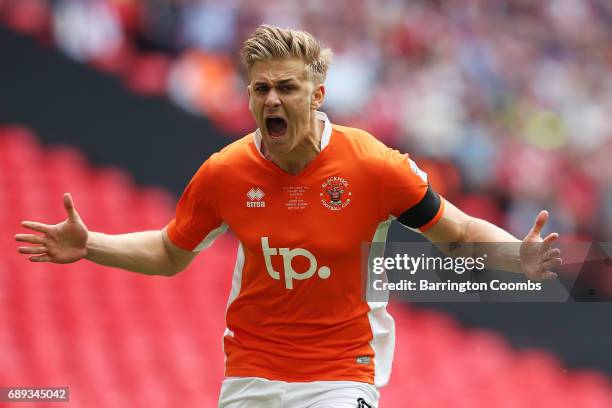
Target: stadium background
{"type": "Point", "coordinates": [505, 104]}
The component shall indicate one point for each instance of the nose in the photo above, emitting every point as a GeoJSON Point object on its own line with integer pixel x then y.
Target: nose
{"type": "Point", "coordinates": [272, 99]}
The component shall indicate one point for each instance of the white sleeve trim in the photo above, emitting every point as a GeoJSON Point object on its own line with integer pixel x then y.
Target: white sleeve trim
{"type": "Point", "coordinates": [210, 238]}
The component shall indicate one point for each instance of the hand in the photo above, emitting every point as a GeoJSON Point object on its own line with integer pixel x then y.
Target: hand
{"type": "Point", "coordinates": [537, 255]}
{"type": "Point", "coordinates": [61, 243]}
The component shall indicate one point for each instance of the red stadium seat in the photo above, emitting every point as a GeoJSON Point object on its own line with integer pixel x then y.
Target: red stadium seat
{"type": "Point", "coordinates": [147, 74]}
{"type": "Point", "coordinates": [28, 16]}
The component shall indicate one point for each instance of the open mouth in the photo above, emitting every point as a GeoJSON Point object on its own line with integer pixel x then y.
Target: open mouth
{"type": "Point", "coordinates": [277, 127]}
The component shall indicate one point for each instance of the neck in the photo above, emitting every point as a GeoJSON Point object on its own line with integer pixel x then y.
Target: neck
{"type": "Point", "coordinates": [296, 160]}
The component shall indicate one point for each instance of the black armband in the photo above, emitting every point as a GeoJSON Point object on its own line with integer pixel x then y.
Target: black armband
{"type": "Point", "coordinates": [422, 212]}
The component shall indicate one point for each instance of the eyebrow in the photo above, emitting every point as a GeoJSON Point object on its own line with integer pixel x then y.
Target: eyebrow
{"type": "Point", "coordinates": [281, 82]}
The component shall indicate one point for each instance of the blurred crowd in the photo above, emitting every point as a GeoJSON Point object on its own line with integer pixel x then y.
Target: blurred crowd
{"type": "Point", "coordinates": [506, 103]}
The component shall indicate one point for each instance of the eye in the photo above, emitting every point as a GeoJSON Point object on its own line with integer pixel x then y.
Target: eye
{"type": "Point", "coordinates": [287, 88]}
{"type": "Point", "coordinates": [261, 88]}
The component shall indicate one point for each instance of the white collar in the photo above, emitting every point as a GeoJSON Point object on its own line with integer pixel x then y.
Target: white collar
{"type": "Point", "coordinates": [327, 131]}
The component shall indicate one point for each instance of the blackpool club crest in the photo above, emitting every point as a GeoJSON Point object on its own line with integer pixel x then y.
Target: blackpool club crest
{"type": "Point", "coordinates": [335, 195]}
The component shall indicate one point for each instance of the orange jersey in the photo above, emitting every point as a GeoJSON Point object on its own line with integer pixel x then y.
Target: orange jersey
{"type": "Point", "coordinates": [296, 310]}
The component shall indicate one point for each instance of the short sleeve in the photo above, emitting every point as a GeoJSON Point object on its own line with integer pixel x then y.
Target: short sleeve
{"type": "Point", "coordinates": [406, 193]}
{"type": "Point", "coordinates": [197, 223]}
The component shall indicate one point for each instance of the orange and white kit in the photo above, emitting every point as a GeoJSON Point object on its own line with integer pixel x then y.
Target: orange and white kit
{"type": "Point", "coordinates": [296, 311]}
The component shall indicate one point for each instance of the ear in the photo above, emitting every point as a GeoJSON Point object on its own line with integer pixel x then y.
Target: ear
{"type": "Point", "coordinates": [248, 88]}
{"type": "Point", "coordinates": [318, 96]}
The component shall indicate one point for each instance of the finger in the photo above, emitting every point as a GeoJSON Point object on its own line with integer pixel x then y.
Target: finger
{"type": "Point", "coordinates": [550, 238]}
{"type": "Point", "coordinates": [73, 215]}
{"type": "Point", "coordinates": [539, 222]}
{"type": "Point", "coordinates": [36, 226]}
{"type": "Point", "coordinates": [552, 263]}
{"type": "Point", "coordinates": [548, 275]}
{"type": "Point", "coordinates": [549, 241]}
{"type": "Point", "coordinates": [552, 253]}
{"type": "Point", "coordinates": [40, 258]}
{"type": "Point", "coordinates": [33, 250]}
{"type": "Point", "coordinates": [31, 238]}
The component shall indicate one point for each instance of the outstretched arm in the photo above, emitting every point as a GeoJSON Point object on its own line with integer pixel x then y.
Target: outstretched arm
{"type": "Point", "coordinates": [148, 252]}
{"type": "Point", "coordinates": [532, 256]}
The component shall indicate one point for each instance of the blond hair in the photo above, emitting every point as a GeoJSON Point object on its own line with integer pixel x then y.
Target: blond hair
{"type": "Point", "coordinates": [269, 42]}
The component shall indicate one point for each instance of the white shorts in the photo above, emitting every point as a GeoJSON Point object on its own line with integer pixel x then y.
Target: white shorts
{"type": "Point", "coordinates": [254, 392]}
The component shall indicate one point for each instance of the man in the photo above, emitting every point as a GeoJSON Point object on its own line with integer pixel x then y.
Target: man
{"type": "Point", "coordinates": [301, 195]}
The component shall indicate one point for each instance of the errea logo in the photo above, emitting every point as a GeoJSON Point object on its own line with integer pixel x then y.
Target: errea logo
{"type": "Point", "coordinates": [255, 196]}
